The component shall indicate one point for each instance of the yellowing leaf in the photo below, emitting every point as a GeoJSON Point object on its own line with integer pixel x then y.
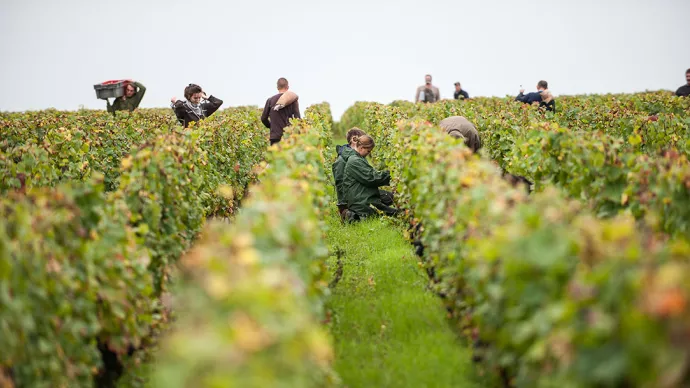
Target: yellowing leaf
{"type": "Point", "coordinates": [126, 162]}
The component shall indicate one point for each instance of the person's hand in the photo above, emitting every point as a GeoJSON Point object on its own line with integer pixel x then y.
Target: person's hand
{"type": "Point", "coordinates": [173, 100]}
{"type": "Point", "coordinates": [522, 91]}
{"type": "Point", "coordinates": [204, 96]}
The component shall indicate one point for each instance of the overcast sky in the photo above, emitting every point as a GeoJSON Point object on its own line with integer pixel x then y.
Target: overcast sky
{"type": "Point", "coordinates": [336, 51]}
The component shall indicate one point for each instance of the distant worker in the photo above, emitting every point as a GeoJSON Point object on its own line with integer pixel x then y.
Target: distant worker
{"type": "Point", "coordinates": [542, 96]}
{"type": "Point", "coordinates": [459, 92]}
{"type": "Point", "coordinates": [134, 92]}
{"type": "Point", "coordinates": [279, 109]}
{"type": "Point", "coordinates": [461, 128]}
{"type": "Point", "coordinates": [684, 91]}
{"type": "Point", "coordinates": [361, 183]}
{"type": "Point", "coordinates": [197, 106]}
{"type": "Point", "coordinates": [427, 92]}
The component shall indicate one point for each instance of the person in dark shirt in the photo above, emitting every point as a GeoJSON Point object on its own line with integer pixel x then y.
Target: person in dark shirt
{"type": "Point", "coordinates": [542, 96]}
{"type": "Point", "coordinates": [278, 119]}
{"type": "Point", "coordinates": [459, 92]}
{"type": "Point", "coordinates": [684, 91]}
{"type": "Point", "coordinates": [194, 109]}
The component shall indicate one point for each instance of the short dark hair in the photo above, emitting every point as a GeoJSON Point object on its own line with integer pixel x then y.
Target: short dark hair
{"type": "Point", "coordinates": [353, 132]}
{"type": "Point", "coordinates": [190, 90]}
{"type": "Point", "coordinates": [687, 71]}
{"type": "Point", "coordinates": [543, 84]}
{"type": "Point", "coordinates": [428, 75]}
{"type": "Point", "coordinates": [457, 83]}
{"type": "Point", "coordinates": [282, 83]}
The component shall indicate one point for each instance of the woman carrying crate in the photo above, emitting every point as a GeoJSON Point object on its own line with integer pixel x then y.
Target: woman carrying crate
{"type": "Point", "coordinates": [194, 109]}
{"type": "Point", "coordinates": [134, 92]}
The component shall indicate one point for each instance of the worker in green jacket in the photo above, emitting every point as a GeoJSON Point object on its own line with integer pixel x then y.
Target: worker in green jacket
{"type": "Point", "coordinates": [344, 153]}
{"type": "Point", "coordinates": [134, 92]}
{"type": "Point", "coordinates": [361, 182]}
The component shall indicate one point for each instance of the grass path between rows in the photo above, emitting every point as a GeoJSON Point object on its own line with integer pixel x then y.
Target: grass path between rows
{"type": "Point", "coordinates": [388, 329]}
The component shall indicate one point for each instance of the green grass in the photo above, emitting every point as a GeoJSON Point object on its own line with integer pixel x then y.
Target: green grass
{"type": "Point", "coordinates": [339, 141]}
{"type": "Point", "coordinates": [389, 330]}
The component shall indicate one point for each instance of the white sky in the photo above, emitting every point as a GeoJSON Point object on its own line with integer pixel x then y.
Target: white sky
{"type": "Point", "coordinates": [54, 52]}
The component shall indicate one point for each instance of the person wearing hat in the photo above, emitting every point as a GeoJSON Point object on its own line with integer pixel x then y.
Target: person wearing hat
{"type": "Point", "coordinates": [459, 92]}
{"type": "Point", "coordinates": [461, 128]}
{"type": "Point", "coordinates": [134, 92]}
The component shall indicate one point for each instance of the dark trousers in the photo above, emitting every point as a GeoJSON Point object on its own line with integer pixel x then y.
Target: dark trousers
{"type": "Point", "coordinates": [274, 141]}
{"type": "Point", "coordinates": [385, 206]}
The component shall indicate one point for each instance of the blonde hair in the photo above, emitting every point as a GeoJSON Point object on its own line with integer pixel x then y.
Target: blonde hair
{"type": "Point", "coordinates": [363, 141]}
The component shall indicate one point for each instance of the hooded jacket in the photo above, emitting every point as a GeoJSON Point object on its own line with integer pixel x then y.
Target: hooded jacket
{"type": "Point", "coordinates": [361, 185]}
{"type": "Point", "coordinates": [344, 153]}
{"type": "Point", "coordinates": [460, 127]}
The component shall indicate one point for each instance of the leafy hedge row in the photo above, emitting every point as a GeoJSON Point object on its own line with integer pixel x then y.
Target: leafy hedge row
{"type": "Point", "coordinates": [652, 121]}
{"type": "Point", "coordinates": [72, 272]}
{"type": "Point", "coordinates": [603, 171]}
{"type": "Point", "coordinates": [612, 173]}
{"type": "Point", "coordinates": [47, 147]}
{"type": "Point", "coordinates": [82, 269]}
{"type": "Point", "coordinates": [252, 293]}
{"type": "Point", "coordinates": [561, 298]}
{"type": "Point", "coordinates": [352, 117]}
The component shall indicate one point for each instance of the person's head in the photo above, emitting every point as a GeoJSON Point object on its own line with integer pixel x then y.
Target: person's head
{"type": "Point", "coordinates": [130, 90]}
{"type": "Point", "coordinates": [363, 144]}
{"type": "Point", "coordinates": [193, 93]}
{"type": "Point", "coordinates": [352, 133]}
{"type": "Point", "coordinates": [283, 85]}
{"type": "Point", "coordinates": [427, 79]}
{"type": "Point", "coordinates": [542, 85]}
{"type": "Point", "coordinates": [687, 76]}
{"type": "Point", "coordinates": [458, 87]}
